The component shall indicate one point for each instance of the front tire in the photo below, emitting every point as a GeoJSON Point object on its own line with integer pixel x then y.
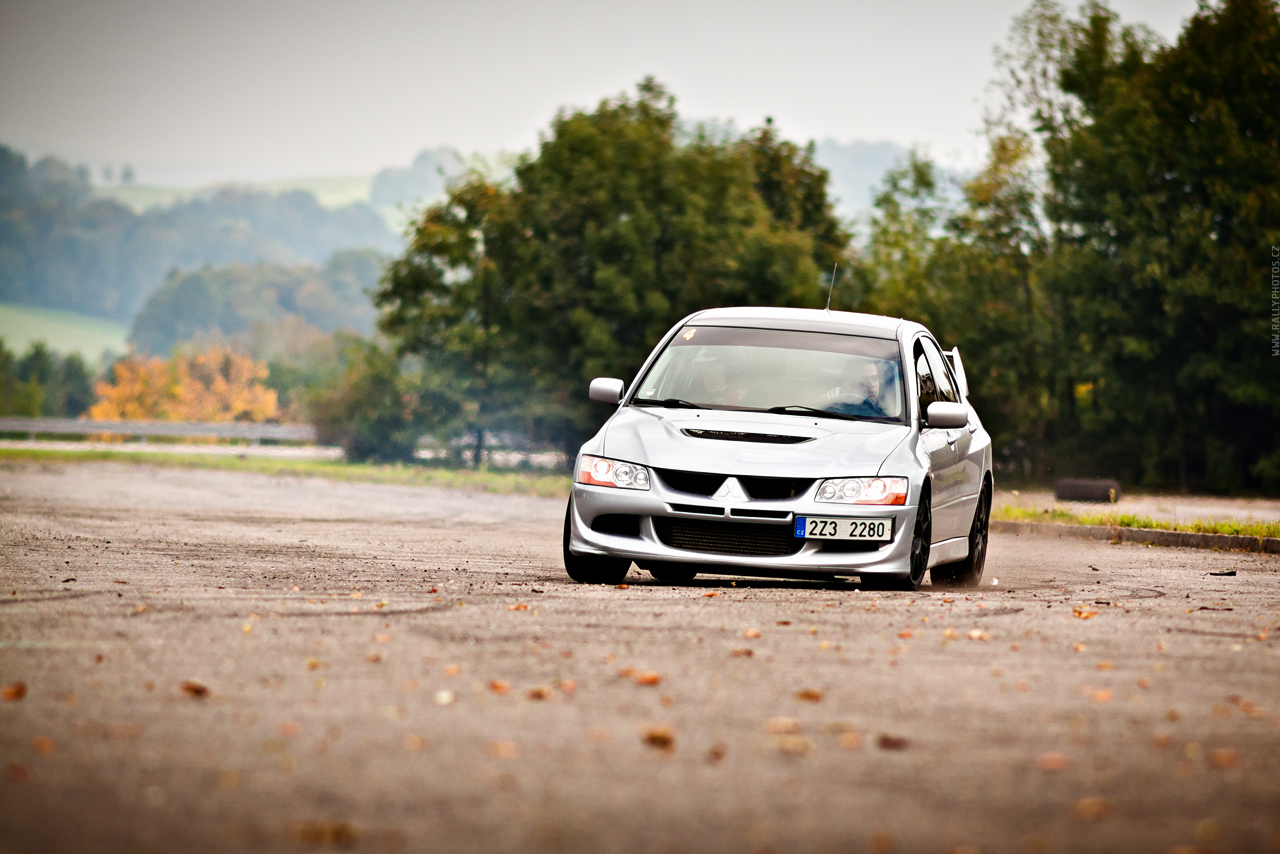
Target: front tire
{"type": "Point", "coordinates": [921, 536]}
{"type": "Point", "coordinates": [968, 572]}
{"type": "Point", "coordinates": [591, 569]}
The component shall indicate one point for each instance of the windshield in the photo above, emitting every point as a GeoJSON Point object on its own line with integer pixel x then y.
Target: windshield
{"type": "Point", "coordinates": [807, 373]}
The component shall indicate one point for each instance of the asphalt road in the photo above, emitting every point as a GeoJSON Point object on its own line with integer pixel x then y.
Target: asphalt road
{"type": "Point", "coordinates": [388, 668]}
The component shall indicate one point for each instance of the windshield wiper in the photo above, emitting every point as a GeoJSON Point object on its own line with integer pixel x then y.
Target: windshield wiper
{"type": "Point", "coordinates": [796, 409]}
{"type": "Point", "coordinates": [669, 403]}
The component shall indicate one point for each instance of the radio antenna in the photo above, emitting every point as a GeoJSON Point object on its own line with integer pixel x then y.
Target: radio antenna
{"type": "Point", "coordinates": [833, 284]}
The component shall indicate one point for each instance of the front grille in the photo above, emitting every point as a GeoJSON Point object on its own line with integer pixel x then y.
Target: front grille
{"type": "Point", "coordinates": [692, 482]}
{"type": "Point", "coordinates": [775, 488]}
{"type": "Point", "coordinates": [618, 524]}
{"type": "Point", "coordinates": [732, 436]}
{"type": "Point", "coordinates": [727, 538]}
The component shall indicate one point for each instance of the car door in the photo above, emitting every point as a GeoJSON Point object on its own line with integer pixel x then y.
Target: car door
{"type": "Point", "coordinates": [941, 444]}
{"type": "Point", "coordinates": [946, 456]}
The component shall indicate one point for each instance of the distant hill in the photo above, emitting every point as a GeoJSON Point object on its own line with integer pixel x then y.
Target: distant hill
{"type": "Point", "coordinates": [247, 304]}
{"type": "Point", "coordinates": [856, 168]}
{"type": "Point", "coordinates": [62, 248]}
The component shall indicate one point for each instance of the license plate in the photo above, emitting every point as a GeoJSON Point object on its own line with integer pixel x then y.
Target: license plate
{"type": "Point", "coordinates": [817, 528]}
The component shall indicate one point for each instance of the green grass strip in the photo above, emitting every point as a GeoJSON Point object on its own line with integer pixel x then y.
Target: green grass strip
{"type": "Point", "coordinates": [483, 480]}
{"type": "Point", "coordinates": [1131, 520]}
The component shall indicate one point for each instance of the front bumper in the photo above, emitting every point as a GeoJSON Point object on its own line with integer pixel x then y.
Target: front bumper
{"type": "Point", "coordinates": [812, 559]}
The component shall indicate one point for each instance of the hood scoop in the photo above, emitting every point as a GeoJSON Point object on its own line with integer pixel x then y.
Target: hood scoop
{"type": "Point", "coordinates": [733, 436]}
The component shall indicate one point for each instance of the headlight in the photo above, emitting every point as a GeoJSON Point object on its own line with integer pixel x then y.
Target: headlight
{"type": "Point", "coordinates": [599, 471]}
{"type": "Point", "coordinates": [864, 490]}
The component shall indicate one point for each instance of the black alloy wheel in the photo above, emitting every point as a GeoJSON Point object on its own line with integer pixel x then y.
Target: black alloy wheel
{"type": "Point", "coordinates": [968, 572]}
{"type": "Point", "coordinates": [591, 569]}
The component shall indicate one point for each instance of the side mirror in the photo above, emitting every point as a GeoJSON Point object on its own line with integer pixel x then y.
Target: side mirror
{"type": "Point", "coordinates": [606, 390]}
{"type": "Point", "coordinates": [946, 415]}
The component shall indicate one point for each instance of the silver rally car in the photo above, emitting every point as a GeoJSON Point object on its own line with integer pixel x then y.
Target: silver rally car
{"type": "Point", "coordinates": [787, 443]}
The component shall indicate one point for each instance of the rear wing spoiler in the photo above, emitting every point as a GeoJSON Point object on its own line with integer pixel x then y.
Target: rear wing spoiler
{"type": "Point", "coordinates": [957, 368]}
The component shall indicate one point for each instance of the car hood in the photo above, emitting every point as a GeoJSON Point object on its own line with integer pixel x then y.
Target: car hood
{"type": "Point", "coordinates": [832, 448]}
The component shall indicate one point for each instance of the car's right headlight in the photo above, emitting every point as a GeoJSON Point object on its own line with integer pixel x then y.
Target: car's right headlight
{"type": "Point", "coordinates": [602, 471]}
{"type": "Point", "coordinates": [863, 490]}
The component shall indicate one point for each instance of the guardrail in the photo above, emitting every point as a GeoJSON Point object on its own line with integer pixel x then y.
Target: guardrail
{"type": "Point", "coordinates": [221, 430]}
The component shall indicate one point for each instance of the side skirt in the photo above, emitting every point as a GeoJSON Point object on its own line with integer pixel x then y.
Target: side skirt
{"type": "Point", "coordinates": [948, 551]}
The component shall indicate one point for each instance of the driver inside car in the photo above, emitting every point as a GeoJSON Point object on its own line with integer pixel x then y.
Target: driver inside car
{"type": "Point", "coordinates": [858, 392]}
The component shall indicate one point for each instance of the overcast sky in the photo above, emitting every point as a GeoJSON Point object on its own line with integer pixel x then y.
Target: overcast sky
{"type": "Point", "coordinates": [191, 92]}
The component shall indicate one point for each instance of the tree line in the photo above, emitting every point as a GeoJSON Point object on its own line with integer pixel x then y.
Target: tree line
{"type": "Point", "coordinates": [1105, 273]}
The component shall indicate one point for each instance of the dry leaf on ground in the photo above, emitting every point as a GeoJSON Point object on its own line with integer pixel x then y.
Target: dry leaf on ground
{"type": "Point", "coordinates": [539, 693]}
{"type": "Point", "coordinates": [497, 686]}
{"type": "Point", "coordinates": [891, 742]}
{"type": "Point", "coordinates": [782, 726]}
{"type": "Point", "coordinates": [42, 745]}
{"type": "Point", "coordinates": [717, 752]}
{"type": "Point", "coordinates": [795, 745]}
{"type": "Point", "coordinates": [1053, 761]}
{"type": "Point", "coordinates": [1223, 757]}
{"type": "Point", "coordinates": [809, 695]}
{"type": "Point", "coordinates": [1102, 695]}
{"type": "Point", "coordinates": [15, 691]}
{"type": "Point", "coordinates": [503, 749]}
{"type": "Point", "coordinates": [1094, 809]}
{"type": "Point", "coordinates": [648, 677]}
{"type": "Point", "coordinates": [195, 688]}
{"type": "Point", "coordinates": [743, 653]}
{"type": "Point", "coordinates": [850, 741]}
{"type": "Point", "coordinates": [660, 736]}
{"type": "Point", "coordinates": [751, 633]}
{"type": "Point", "coordinates": [519, 606]}
{"type": "Point", "coordinates": [978, 634]}
{"type": "Point", "coordinates": [1083, 613]}
{"type": "Point", "coordinates": [445, 698]}
{"type": "Point", "coordinates": [1079, 647]}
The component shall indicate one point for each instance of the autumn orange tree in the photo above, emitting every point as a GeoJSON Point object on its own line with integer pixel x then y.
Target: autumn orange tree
{"type": "Point", "coordinates": [217, 384]}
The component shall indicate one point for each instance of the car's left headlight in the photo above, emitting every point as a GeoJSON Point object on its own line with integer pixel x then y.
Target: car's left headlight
{"type": "Point", "coordinates": [863, 490]}
{"type": "Point", "coordinates": [602, 471]}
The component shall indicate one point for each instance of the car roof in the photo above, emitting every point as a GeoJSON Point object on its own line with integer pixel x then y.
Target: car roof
{"type": "Point", "coordinates": [803, 320]}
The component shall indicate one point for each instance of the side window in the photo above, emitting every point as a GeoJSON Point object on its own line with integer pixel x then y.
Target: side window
{"type": "Point", "coordinates": [946, 390]}
{"type": "Point", "coordinates": [926, 389]}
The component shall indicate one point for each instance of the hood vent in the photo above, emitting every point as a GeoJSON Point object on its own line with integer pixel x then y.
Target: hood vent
{"type": "Point", "coordinates": [730, 436]}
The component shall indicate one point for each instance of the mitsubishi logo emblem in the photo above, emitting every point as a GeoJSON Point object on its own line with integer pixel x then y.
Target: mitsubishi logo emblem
{"type": "Point", "coordinates": [731, 490]}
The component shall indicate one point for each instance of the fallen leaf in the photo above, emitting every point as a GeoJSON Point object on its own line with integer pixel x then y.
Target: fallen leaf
{"type": "Point", "coordinates": [850, 741]}
{"type": "Point", "coordinates": [381, 638]}
{"type": "Point", "coordinates": [568, 686]}
{"type": "Point", "coordinates": [445, 698]}
{"type": "Point", "coordinates": [14, 691]}
{"type": "Point", "coordinates": [751, 633]}
{"type": "Point", "coordinates": [624, 586]}
{"type": "Point", "coordinates": [1094, 809]}
{"type": "Point", "coordinates": [743, 653]}
{"type": "Point", "coordinates": [809, 695]}
{"type": "Point", "coordinates": [660, 736]}
{"type": "Point", "coordinates": [497, 686]}
{"type": "Point", "coordinates": [519, 606]}
{"type": "Point", "coordinates": [138, 609]}
{"type": "Point", "coordinates": [1223, 757]}
{"type": "Point", "coordinates": [1102, 695]}
{"type": "Point", "coordinates": [626, 672]}
{"type": "Point", "coordinates": [711, 594]}
{"type": "Point", "coordinates": [42, 745]}
{"type": "Point", "coordinates": [978, 634]}
{"type": "Point", "coordinates": [195, 688]}
{"type": "Point", "coordinates": [1079, 647]}
{"type": "Point", "coordinates": [373, 657]}
{"type": "Point", "coordinates": [504, 749]}
{"type": "Point", "coordinates": [1020, 686]}
{"type": "Point", "coordinates": [297, 589]}
{"type": "Point", "coordinates": [906, 634]}
{"type": "Point", "coordinates": [717, 752]}
{"type": "Point", "coordinates": [289, 729]}
{"type": "Point", "coordinates": [891, 742]}
{"type": "Point", "coordinates": [648, 677]}
{"type": "Point", "coordinates": [784, 622]}
{"type": "Point", "coordinates": [1053, 761]}
{"type": "Point", "coordinates": [414, 742]}
{"type": "Point", "coordinates": [1161, 741]}
{"type": "Point", "coordinates": [795, 745]}
{"type": "Point", "coordinates": [1104, 665]}
{"type": "Point", "coordinates": [1172, 716]}
{"type": "Point", "coordinates": [247, 628]}
{"type": "Point", "coordinates": [381, 605]}
{"type": "Point", "coordinates": [313, 664]}
{"type": "Point", "coordinates": [949, 634]}
{"type": "Point", "coordinates": [452, 669]}
{"type": "Point", "coordinates": [1144, 683]}
{"type": "Point", "coordinates": [782, 726]}
{"type": "Point", "coordinates": [1083, 613]}
{"type": "Point", "coordinates": [539, 693]}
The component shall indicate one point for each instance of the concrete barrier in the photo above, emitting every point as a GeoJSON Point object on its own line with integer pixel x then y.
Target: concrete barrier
{"type": "Point", "coordinates": [1153, 536]}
